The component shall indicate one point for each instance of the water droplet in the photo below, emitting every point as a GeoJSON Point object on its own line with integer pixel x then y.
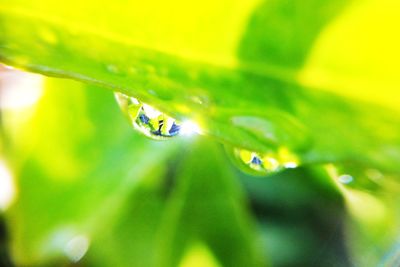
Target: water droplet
{"type": "Point", "coordinates": [345, 178]}
{"type": "Point", "coordinates": [161, 93]}
{"type": "Point", "coordinates": [152, 122]}
{"type": "Point", "coordinates": [355, 176]}
{"type": "Point", "coordinates": [77, 247]}
{"type": "Point", "coordinates": [152, 92]}
{"type": "Point", "coordinates": [264, 163]}
{"type": "Point", "coordinates": [69, 240]}
{"type": "Point", "coordinates": [197, 100]}
{"type": "Point", "coordinates": [274, 129]}
{"type": "Point", "coordinates": [374, 174]}
{"type": "Point", "coordinates": [112, 68]}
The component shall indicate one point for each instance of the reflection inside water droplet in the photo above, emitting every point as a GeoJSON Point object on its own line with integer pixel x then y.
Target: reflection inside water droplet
{"type": "Point", "coordinates": [264, 163]}
{"type": "Point", "coordinates": [152, 122]}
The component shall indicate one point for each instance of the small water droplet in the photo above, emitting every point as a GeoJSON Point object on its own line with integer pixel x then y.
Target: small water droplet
{"type": "Point", "coordinates": [197, 100]}
{"type": "Point", "coordinates": [152, 122]}
{"type": "Point", "coordinates": [199, 97]}
{"type": "Point", "coordinates": [264, 163]}
{"type": "Point", "coordinates": [345, 178]}
{"type": "Point", "coordinates": [152, 92]}
{"type": "Point", "coordinates": [112, 68]}
{"type": "Point", "coordinates": [161, 93]}
{"type": "Point", "coordinates": [374, 174]}
{"type": "Point", "coordinates": [354, 176]}
{"type": "Point", "coordinates": [200, 101]}
{"type": "Point", "coordinates": [77, 247]}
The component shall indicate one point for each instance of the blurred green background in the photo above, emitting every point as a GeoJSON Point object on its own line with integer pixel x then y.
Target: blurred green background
{"type": "Point", "coordinates": [80, 187]}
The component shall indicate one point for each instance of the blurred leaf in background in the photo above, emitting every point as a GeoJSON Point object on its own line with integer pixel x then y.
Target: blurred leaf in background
{"type": "Point", "coordinates": [107, 186]}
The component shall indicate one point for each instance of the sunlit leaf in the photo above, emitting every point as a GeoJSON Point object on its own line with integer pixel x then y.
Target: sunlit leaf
{"type": "Point", "coordinates": [88, 180]}
{"type": "Point", "coordinates": [82, 165]}
{"type": "Point", "coordinates": [207, 207]}
{"type": "Point", "coordinates": [240, 69]}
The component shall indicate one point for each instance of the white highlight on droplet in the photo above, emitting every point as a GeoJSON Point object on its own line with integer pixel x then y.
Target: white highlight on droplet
{"type": "Point", "coordinates": [7, 187]}
{"type": "Point", "coordinates": [77, 247]}
{"type": "Point", "coordinates": [290, 165]}
{"type": "Point", "coordinates": [19, 89]}
{"type": "Point", "coordinates": [345, 178]}
{"type": "Point", "coordinates": [135, 101]}
{"type": "Point", "coordinates": [150, 111]}
{"type": "Point", "coordinates": [189, 128]}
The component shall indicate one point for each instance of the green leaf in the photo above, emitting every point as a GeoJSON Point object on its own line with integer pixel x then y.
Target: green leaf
{"type": "Point", "coordinates": [244, 70]}
{"type": "Point", "coordinates": [131, 239]}
{"type": "Point", "coordinates": [207, 207]}
{"type": "Point", "coordinates": [371, 199]}
{"type": "Point", "coordinates": [83, 163]}
{"type": "Point", "coordinates": [200, 218]}
{"type": "Point", "coordinates": [86, 179]}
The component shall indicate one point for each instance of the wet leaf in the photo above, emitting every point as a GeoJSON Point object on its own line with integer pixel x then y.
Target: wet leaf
{"type": "Point", "coordinates": [202, 212]}
{"type": "Point", "coordinates": [86, 179]}
{"type": "Point", "coordinates": [248, 85]}
{"type": "Point", "coordinates": [82, 164]}
{"type": "Point", "coordinates": [207, 207]}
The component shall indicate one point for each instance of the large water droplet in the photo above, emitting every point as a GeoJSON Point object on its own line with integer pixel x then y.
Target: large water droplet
{"type": "Point", "coordinates": [264, 163]}
{"type": "Point", "coordinates": [274, 129]}
{"type": "Point", "coordinates": [152, 122]}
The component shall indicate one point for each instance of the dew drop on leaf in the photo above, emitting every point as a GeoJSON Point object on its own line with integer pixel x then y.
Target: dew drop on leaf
{"type": "Point", "coordinates": [112, 68]}
{"type": "Point", "coordinates": [357, 176]}
{"type": "Point", "coordinates": [274, 129]}
{"type": "Point", "coordinates": [257, 163]}
{"type": "Point", "coordinates": [152, 122]}
{"type": "Point", "coordinates": [345, 178]}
